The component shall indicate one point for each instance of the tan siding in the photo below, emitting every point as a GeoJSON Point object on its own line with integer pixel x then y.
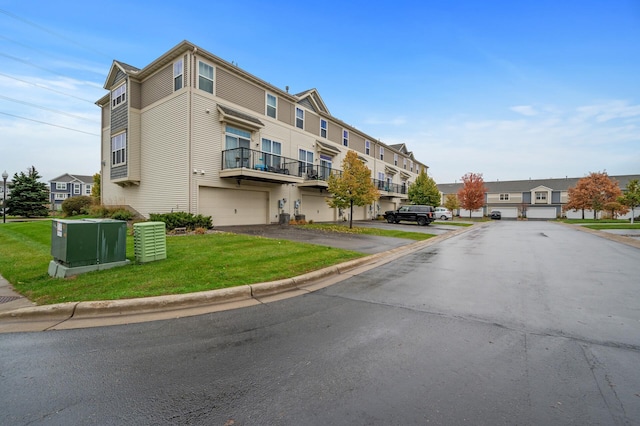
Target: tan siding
{"type": "Point", "coordinates": [334, 133]}
{"type": "Point", "coordinates": [356, 142]}
{"type": "Point", "coordinates": [134, 94]}
{"type": "Point", "coordinates": [312, 123]}
{"type": "Point", "coordinates": [285, 111]}
{"type": "Point", "coordinates": [157, 86]}
{"type": "Point", "coordinates": [133, 146]}
{"type": "Point", "coordinates": [106, 116]}
{"type": "Point", "coordinates": [233, 89]}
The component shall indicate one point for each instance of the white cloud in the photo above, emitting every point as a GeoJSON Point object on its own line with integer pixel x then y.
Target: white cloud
{"type": "Point", "coordinates": [526, 110]}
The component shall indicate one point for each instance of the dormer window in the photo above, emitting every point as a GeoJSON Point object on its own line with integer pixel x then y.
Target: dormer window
{"type": "Point", "coordinates": [119, 95]}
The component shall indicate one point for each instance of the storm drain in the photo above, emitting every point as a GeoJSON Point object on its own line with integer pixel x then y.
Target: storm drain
{"type": "Point", "coordinates": [6, 299]}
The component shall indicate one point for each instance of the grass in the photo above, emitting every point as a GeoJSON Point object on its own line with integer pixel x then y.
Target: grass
{"type": "Point", "coordinates": [581, 221]}
{"type": "Point", "coordinates": [416, 236]}
{"type": "Point", "coordinates": [452, 223]}
{"type": "Point", "coordinates": [628, 225]}
{"type": "Point", "coordinates": [194, 263]}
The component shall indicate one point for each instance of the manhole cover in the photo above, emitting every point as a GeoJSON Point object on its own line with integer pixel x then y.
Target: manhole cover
{"type": "Point", "coordinates": [5, 299]}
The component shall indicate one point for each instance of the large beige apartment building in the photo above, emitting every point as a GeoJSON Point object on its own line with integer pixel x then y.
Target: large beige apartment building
{"type": "Point", "coordinates": [192, 132]}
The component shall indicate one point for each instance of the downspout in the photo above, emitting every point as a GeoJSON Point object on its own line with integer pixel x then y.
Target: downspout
{"type": "Point", "coordinates": [189, 131]}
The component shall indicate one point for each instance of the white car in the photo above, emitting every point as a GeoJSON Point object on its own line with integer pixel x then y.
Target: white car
{"type": "Point", "coordinates": [442, 213]}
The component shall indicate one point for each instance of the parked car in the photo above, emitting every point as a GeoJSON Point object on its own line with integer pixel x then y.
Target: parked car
{"type": "Point", "coordinates": [443, 214]}
{"type": "Point", "coordinates": [496, 215]}
{"type": "Point", "coordinates": [424, 215]}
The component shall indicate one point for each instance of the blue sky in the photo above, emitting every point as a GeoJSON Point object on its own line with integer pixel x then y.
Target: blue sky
{"type": "Point", "coordinates": [510, 89]}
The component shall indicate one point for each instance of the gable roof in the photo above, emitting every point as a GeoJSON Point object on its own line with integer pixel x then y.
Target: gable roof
{"type": "Point", "coordinates": [314, 97]}
{"type": "Point", "coordinates": [88, 180]}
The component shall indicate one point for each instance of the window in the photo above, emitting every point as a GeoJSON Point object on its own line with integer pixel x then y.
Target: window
{"type": "Point", "coordinates": [541, 197]}
{"type": "Point", "coordinates": [272, 153]}
{"type": "Point", "coordinates": [325, 166]}
{"type": "Point", "coordinates": [367, 147]}
{"type": "Point", "coordinates": [237, 144]}
{"type": "Point", "coordinates": [380, 180]}
{"type": "Point", "coordinates": [61, 186]}
{"type": "Point", "coordinates": [404, 163]}
{"type": "Point", "coordinates": [87, 189]}
{"type": "Point", "coordinates": [272, 105]}
{"type": "Point", "coordinates": [119, 95]}
{"type": "Point", "coordinates": [119, 149]}
{"type": "Point", "coordinates": [76, 188]}
{"type": "Point", "coordinates": [381, 153]}
{"type": "Point", "coordinates": [345, 137]}
{"type": "Point", "coordinates": [504, 197]}
{"type": "Point", "coordinates": [177, 75]}
{"type": "Point", "coordinates": [61, 196]}
{"type": "Point", "coordinates": [205, 77]}
{"type": "Point", "coordinates": [395, 159]}
{"type": "Point", "coordinates": [411, 165]}
{"type": "Point", "coordinates": [299, 118]}
{"type": "Point", "coordinates": [306, 161]}
{"type": "Point", "coordinates": [323, 128]}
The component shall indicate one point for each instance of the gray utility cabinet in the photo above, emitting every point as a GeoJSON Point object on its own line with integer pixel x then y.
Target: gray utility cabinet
{"type": "Point", "coordinates": [76, 243]}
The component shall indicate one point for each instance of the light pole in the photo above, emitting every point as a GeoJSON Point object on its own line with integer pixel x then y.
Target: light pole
{"type": "Point", "coordinates": [4, 197]}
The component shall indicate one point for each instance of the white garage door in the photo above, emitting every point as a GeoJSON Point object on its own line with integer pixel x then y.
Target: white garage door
{"type": "Point", "coordinates": [507, 212]}
{"type": "Point", "coordinates": [465, 213]}
{"type": "Point", "coordinates": [314, 207]}
{"type": "Point", "coordinates": [234, 206]}
{"type": "Point", "coordinates": [541, 213]}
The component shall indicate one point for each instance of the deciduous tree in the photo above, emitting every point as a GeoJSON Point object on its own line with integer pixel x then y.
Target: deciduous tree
{"type": "Point", "coordinates": [593, 192]}
{"type": "Point", "coordinates": [95, 189]}
{"type": "Point", "coordinates": [631, 197]}
{"type": "Point", "coordinates": [28, 196]}
{"type": "Point", "coordinates": [451, 202]}
{"type": "Point", "coordinates": [424, 190]}
{"type": "Point", "coordinates": [353, 187]}
{"type": "Point", "coordinates": [471, 195]}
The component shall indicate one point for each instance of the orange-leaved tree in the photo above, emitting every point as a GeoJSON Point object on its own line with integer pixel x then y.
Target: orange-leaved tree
{"type": "Point", "coordinates": [593, 192]}
{"type": "Point", "coordinates": [471, 195]}
{"type": "Point", "coordinates": [353, 187]}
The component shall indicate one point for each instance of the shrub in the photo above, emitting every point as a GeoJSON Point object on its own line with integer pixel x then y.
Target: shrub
{"type": "Point", "coordinates": [80, 204]}
{"type": "Point", "coordinates": [122, 214]}
{"type": "Point", "coordinates": [182, 220]}
{"type": "Point", "coordinates": [200, 231]}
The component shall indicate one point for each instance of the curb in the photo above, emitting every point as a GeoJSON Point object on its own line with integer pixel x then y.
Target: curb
{"type": "Point", "coordinates": [62, 312]}
{"type": "Point", "coordinates": [630, 241]}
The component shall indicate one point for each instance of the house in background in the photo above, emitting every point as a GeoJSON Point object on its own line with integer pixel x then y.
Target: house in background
{"type": "Point", "coordinates": [66, 186]}
{"type": "Point", "coordinates": [533, 199]}
{"type": "Point", "coordinates": [192, 132]}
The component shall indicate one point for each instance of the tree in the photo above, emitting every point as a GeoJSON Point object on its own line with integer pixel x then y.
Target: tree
{"type": "Point", "coordinates": [28, 196]}
{"type": "Point", "coordinates": [424, 190]}
{"type": "Point", "coordinates": [631, 197]}
{"type": "Point", "coordinates": [471, 195]}
{"type": "Point", "coordinates": [353, 187]}
{"type": "Point", "coordinates": [95, 189]}
{"type": "Point", "coordinates": [615, 208]}
{"type": "Point", "coordinates": [451, 202]}
{"type": "Point", "coordinates": [593, 192]}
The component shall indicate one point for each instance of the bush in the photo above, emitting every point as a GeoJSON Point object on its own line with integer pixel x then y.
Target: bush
{"type": "Point", "coordinates": [182, 220]}
{"type": "Point", "coordinates": [80, 204]}
{"type": "Point", "coordinates": [122, 214]}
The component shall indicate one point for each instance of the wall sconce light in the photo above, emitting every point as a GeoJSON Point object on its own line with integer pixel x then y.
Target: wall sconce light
{"type": "Point", "coordinates": [195, 171]}
{"type": "Point", "coordinates": [207, 110]}
{"type": "Point", "coordinates": [201, 172]}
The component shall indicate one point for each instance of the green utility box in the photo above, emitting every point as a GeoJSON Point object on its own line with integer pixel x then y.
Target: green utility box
{"type": "Point", "coordinates": [149, 241]}
{"type": "Point", "coordinates": [79, 246]}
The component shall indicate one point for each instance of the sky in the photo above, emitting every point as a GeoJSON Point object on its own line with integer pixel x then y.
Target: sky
{"type": "Point", "coordinates": [510, 89]}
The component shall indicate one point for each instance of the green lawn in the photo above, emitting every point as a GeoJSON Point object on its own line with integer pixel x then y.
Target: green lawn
{"type": "Point", "coordinates": [417, 236]}
{"type": "Point", "coordinates": [194, 263]}
{"type": "Point", "coordinates": [628, 225]}
{"type": "Point", "coordinates": [581, 221]}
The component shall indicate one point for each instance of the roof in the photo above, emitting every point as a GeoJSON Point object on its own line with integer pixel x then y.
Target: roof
{"type": "Point", "coordinates": [527, 185]}
{"type": "Point", "coordinates": [74, 178]}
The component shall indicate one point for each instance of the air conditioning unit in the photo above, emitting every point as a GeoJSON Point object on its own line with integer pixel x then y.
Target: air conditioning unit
{"type": "Point", "coordinates": [149, 241]}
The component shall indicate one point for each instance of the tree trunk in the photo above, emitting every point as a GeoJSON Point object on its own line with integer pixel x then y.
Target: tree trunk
{"type": "Point", "coordinates": [351, 215]}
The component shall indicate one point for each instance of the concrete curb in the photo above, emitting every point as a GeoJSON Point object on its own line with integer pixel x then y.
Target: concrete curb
{"type": "Point", "coordinates": [61, 312]}
{"type": "Point", "coordinates": [630, 241]}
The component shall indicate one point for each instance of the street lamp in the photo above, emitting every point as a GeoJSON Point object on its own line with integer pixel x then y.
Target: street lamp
{"type": "Point", "coordinates": [5, 175]}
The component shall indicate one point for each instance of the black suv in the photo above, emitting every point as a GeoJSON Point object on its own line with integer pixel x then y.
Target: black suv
{"type": "Point", "coordinates": [424, 215]}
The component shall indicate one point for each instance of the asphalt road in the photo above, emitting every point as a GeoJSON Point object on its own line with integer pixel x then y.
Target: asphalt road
{"type": "Point", "coordinates": [527, 323]}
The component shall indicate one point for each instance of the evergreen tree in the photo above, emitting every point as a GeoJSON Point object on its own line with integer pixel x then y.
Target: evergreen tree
{"type": "Point", "coordinates": [424, 191]}
{"type": "Point", "coordinates": [28, 196]}
{"type": "Point", "coordinates": [353, 187]}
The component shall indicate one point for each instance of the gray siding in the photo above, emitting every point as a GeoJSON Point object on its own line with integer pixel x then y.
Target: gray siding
{"type": "Point", "coordinates": [526, 197]}
{"type": "Point", "coordinates": [118, 172]}
{"type": "Point", "coordinates": [157, 86]}
{"type": "Point", "coordinates": [239, 92]}
{"type": "Point", "coordinates": [119, 76]}
{"type": "Point", "coordinates": [306, 103]}
{"type": "Point", "coordinates": [555, 197]}
{"type": "Point", "coordinates": [119, 117]}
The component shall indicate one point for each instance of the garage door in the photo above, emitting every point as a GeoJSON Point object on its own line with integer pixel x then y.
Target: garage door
{"type": "Point", "coordinates": [314, 207]}
{"type": "Point", "coordinates": [541, 213]}
{"type": "Point", "coordinates": [234, 206]}
{"type": "Point", "coordinates": [507, 212]}
{"type": "Point", "coordinates": [465, 213]}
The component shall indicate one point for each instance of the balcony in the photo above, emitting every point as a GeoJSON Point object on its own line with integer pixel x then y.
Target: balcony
{"type": "Point", "coordinates": [390, 190]}
{"type": "Point", "coordinates": [245, 163]}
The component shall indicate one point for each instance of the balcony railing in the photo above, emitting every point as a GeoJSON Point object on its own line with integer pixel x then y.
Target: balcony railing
{"type": "Point", "coordinates": [390, 187]}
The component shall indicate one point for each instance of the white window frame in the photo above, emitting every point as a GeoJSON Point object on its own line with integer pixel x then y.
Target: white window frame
{"type": "Point", "coordinates": [119, 149]}
{"type": "Point", "coordinates": [61, 196]}
{"type": "Point", "coordinates": [306, 158]}
{"type": "Point", "coordinates": [61, 186]}
{"type": "Point", "coordinates": [119, 95]}
{"type": "Point", "coordinates": [411, 166]}
{"type": "Point", "coordinates": [367, 147]}
{"type": "Point", "coordinates": [395, 159]}
{"type": "Point", "coordinates": [541, 197]}
{"type": "Point", "coordinates": [87, 189]}
{"type": "Point", "coordinates": [382, 153]}
{"type": "Point", "coordinates": [178, 75]}
{"type": "Point", "coordinates": [270, 107]}
{"type": "Point", "coordinates": [299, 118]}
{"type": "Point", "coordinates": [345, 137]}
{"type": "Point", "coordinates": [504, 197]}
{"type": "Point", "coordinates": [76, 188]}
{"type": "Point", "coordinates": [324, 128]}
{"type": "Point", "coordinates": [202, 76]}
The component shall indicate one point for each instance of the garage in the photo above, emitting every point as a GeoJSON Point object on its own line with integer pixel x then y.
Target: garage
{"type": "Point", "coordinates": [476, 213]}
{"type": "Point", "coordinates": [541, 213]}
{"type": "Point", "coordinates": [506, 212]}
{"type": "Point", "coordinates": [314, 207]}
{"type": "Point", "coordinates": [234, 206]}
